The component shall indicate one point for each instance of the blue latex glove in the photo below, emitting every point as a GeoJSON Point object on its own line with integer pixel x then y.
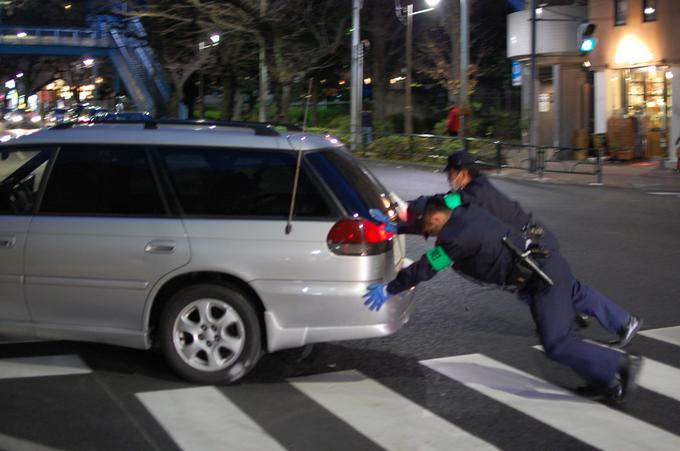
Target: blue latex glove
{"type": "Point", "coordinates": [383, 219]}
{"type": "Point", "coordinates": [376, 296]}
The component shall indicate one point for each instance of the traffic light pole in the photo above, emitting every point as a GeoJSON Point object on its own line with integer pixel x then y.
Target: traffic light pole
{"type": "Point", "coordinates": [533, 123]}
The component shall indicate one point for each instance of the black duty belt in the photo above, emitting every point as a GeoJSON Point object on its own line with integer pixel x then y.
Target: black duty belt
{"type": "Point", "coordinates": [525, 267]}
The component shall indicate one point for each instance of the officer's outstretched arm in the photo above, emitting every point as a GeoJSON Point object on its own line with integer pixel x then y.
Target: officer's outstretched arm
{"type": "Point", "coordinates": [377, 293]}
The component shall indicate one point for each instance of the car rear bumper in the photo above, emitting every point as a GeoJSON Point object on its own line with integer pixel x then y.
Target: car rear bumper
{"type": "Point", "coordinates": [300, 313]}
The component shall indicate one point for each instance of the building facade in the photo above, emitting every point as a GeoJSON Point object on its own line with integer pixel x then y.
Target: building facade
{"type": "Point", "coordinates": [623, 89]}
{"type": "Point", "coordinates": [562, 86]}
{"type": "Point", "coordinates": [636, 66]}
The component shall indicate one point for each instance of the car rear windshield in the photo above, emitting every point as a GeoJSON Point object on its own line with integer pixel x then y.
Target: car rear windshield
{"type": "Point", "coordinates": [354, 186]}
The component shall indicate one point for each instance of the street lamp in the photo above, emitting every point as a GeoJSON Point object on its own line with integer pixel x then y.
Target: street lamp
{"type": "Point", "coordinates": [215, 40]}
{"type": "Point", "coordinates": [408, 106]}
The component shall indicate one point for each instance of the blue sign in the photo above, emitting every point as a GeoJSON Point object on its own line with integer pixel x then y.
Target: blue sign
{"type": "Point", "coordinates": [516, 73]}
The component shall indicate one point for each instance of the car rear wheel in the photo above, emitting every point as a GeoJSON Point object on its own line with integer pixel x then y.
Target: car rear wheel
{"type": "Point", "coordinates": [210, 334]}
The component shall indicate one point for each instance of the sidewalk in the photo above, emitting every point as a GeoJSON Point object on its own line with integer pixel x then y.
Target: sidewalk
{"type": "Point", "coordinates": [639, 175]}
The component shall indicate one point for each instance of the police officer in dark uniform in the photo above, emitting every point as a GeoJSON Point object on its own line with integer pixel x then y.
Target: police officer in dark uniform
{"type": "Point", "coordinates": [474, 242]}
{"type": "Point", "coordinates": [474, 187]}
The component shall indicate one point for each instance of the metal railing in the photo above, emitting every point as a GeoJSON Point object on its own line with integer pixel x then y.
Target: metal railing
{"type": "Point", "coordinates": [53, 36]}
{"type": "Point", "coordinates": [540, 159]}
{"type": "Point", "coordinates": [493, 154]}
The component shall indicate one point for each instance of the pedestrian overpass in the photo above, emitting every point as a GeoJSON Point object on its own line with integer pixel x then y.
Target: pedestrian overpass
{"type": "Point", "coordinates": [122, 41]}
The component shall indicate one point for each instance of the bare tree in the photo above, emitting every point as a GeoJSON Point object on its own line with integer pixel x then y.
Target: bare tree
{"type": "Point", "coordinates": [300, 36]}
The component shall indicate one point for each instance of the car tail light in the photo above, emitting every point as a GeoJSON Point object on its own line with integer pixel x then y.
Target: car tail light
{"type": "Point", "coordinates": [359, 237]}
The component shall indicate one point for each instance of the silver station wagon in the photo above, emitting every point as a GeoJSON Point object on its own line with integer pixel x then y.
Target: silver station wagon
{"type": "Point", "coordinates": [215, 241]}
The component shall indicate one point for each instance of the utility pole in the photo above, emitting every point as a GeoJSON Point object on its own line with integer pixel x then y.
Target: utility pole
{"type": "Point", "coordinates": [533, 121]}
{"type": "Point", "coordinates": [264, 79]}
{"type": "Point", "coordinates": [464, 62]}
{"type": "Point", "coordinates": [408, 108]}
{"type": "Point", "coordinates": [357, 81]}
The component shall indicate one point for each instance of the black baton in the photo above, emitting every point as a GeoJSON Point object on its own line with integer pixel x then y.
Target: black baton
{"type": "Point", "coordinates": [525, 257]}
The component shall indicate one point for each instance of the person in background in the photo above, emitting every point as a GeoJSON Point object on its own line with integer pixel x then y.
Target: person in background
{"type": "Point", "coordinates": [453, 122]}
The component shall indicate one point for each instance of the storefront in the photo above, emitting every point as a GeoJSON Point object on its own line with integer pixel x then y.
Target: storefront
{"type": "Point", "coordinates": [647, 96]}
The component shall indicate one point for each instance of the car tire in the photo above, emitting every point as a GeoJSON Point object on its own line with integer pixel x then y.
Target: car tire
{"type": "Point", "coordinates": [210, 333]}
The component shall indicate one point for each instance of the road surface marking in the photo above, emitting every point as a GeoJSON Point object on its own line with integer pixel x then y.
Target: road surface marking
{"type": "Point", "coordinates": [53, 365]}
{"type": "Point", "coordinates": [202, 418]}
{"type": "Point", "coordinates": [385, 417]}
{"type": "Point", "coordinates": [668, 334]}
{"type": "Point", "coordinates": [16, 444]}
{"type": "Point", "coordinates": [665, 194]}
{"type": "Point", "coordinates": [655, 376]}
{"type": "Point", "coordinates": [586, 420]}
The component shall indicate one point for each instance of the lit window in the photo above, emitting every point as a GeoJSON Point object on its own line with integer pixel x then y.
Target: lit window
{"type": "Point", "coordinates": [620, 12]}
{"type": "Point", "coordinates": [649, 10]}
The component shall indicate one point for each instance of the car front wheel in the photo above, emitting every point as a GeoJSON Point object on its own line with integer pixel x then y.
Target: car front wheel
{"type": "Point", "coordinates": [210, 334]}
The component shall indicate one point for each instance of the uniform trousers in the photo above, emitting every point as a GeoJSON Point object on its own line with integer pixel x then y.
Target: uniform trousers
{"type": "Point", "coordinates": [553, 309]}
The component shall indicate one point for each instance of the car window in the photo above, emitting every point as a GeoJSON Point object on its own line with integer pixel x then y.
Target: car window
{"type": "Point", "coordinates": [102, 181]}
{"type": "Point", "coordinates": [21, 173]}
{"type": "Point", "coordinates": [230, 182]}
{"type": "Point", "coordinates": [354, 185]}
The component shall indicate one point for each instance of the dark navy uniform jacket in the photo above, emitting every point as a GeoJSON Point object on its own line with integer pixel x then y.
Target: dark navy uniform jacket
{"type": "Point", "coordinates": [470, 243]}
{"type": "Point", "coordinates": [481, 192]}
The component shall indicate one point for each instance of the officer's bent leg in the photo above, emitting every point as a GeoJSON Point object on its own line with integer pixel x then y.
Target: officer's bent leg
{"type": "Point", "coordinates": [553, 312]}
{"type": "Point", "coordinates": [586, 300]}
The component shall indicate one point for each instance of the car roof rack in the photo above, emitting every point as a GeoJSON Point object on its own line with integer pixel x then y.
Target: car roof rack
{"type": "Point", "coordinates": [260, 128]}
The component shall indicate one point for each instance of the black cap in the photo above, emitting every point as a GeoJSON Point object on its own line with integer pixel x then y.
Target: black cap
{"type": "Point", "coordinates": [415, 214]}
{"type": "Point", "coordinates": [459, 160]}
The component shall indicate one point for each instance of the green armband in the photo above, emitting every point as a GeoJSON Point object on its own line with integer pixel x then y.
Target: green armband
{"type": "Point", "coordinates": [438, 258]}
{"type": "Point", "coordinates": [453, 201]}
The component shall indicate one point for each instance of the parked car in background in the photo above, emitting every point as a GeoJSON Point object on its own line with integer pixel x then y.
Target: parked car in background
{"type": "Point", "coordinates": [124, 116]}
{"type": "Point", "coordinates": [184, 235]}
{"type": "Point", "coordinates": [22, 118]}
{"type": "Point", "coordinates": [56, 116]}
{"type": "Point", "coordinates": [84, 112]}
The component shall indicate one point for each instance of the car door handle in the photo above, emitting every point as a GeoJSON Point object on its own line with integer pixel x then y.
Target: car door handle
{"type": "Point", "coordinates": [160, 247]}
{"type": "Point", "coordinates": [7, 242]}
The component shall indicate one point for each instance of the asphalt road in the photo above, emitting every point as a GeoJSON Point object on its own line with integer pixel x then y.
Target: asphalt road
{"type": "Point", "coordinates": [623, 242]}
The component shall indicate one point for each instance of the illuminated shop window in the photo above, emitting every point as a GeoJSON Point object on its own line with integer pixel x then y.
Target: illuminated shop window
{"type": "Point", "coordinates": [648, 97]}
{"type": "Point", "coordinates": [649, 10]}
{"type": "Point", "coordinates": [620, 12]}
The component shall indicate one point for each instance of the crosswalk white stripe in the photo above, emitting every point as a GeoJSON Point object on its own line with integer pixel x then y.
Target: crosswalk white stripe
{"type": "Point", "coordinates": [53, 365]}
{"type": "Point", "coordinates": [10, 443]}
{"type": "Point", "coordinates": [588, 421]}
{"type": "Point", "coordinates": [203, 419]}
{"type": "Point", "coordinates": [655, 376]}
{"type": "Point", "coordinates": [668, 334]}
{"type": "Point", "coordinates": [385, 417]}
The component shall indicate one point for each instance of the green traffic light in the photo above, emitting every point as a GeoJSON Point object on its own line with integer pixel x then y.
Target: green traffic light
{"type": "Point", "coordinates": [588, 45]}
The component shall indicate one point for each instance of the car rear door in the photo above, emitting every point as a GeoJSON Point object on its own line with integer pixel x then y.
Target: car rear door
{"type": "Point", "coordinates": [101, 239]}
{"type": "Point", "coordinates": [21, 173]}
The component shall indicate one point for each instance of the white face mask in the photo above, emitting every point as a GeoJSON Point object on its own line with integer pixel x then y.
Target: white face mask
{"type": "Point", "coordinates": [455, 182]}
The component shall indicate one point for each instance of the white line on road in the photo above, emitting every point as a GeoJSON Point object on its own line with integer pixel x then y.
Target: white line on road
{"type": "Point", "coordinates": [665, 194]}
{"type": "Point", "coordinates": [53, 365]}
{"type": "Point", "coordinates": [10, 443]}
{"type": "Point", "coordinates": [668, 334]}
{"type": "Point", "coordinates": [655, 376]}
{"type": "Point", "coordinates": [588, 421]}
{"type": "Point", "coordinates": [385, 417]}
{"type": "Point", "coordinates": [203, 419]}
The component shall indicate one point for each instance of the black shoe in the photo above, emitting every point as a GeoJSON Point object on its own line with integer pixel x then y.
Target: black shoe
{"type": "Point", "coordinates": [627, 332]}
{"type": "Point", "coordinates": [625, 385]}
{"type": "Point", "coordinates": [594, 390]}
{"type": "Point", "coordinates": [582, 320]}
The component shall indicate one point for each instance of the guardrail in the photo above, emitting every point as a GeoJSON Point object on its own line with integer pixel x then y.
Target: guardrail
{"type": "Point", "coordinates": [494, 154]}
{"type": "Point", "coordinates": [52, 36]}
